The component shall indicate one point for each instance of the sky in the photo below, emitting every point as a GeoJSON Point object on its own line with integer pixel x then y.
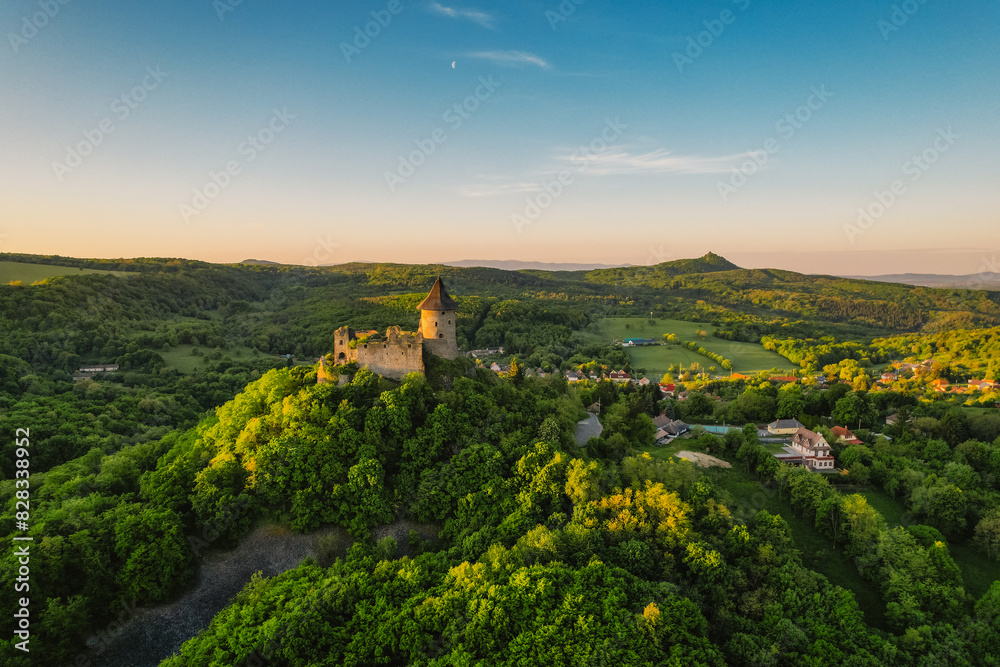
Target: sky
{"type": "Point", "coordinates": [845, 138]}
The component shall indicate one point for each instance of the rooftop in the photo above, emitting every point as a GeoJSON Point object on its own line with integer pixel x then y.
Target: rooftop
{"type": "Point", "coordinates": [438, 298]}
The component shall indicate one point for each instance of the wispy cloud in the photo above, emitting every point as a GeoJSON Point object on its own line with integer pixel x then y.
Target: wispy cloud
{"type": "Point", "coordinates": [497, 189]}
{"type": "Point", "coordinates": [484, 19]}
{"type": "Point", "coordinates": [660, 161]}
{"type": "Point", "coordinates": [512, 58]}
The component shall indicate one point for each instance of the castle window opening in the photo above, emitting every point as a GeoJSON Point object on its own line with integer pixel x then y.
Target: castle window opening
{"type": "Point", "coordinates": [440, 335]}
{"type": "Point", "coordinates": [442, 312]}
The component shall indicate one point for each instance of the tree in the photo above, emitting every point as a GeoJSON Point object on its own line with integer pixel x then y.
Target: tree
{"type": "Point", "coordinates": [791, 402]}
{"type": "Point", "coordinates": [698, 406]}
{"type": "Point", "coordinates": [988, 534]}
{"type": "Point", "coordinates": [583, 481]}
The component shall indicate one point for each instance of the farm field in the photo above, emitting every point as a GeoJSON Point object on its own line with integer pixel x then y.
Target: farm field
{"type": "Point", "coordinates": [746, 357]}
{"type": "Point", "coordinates": [181, 359]}
{"type": "Point", "coordinates": [29, 273]}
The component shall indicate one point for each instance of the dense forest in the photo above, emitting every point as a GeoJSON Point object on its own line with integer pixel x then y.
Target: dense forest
{"type": "Point", "coordinates": [543, 551]}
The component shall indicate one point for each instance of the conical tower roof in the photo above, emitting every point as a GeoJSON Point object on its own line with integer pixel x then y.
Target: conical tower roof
{"type": "Point", "coordinates": [438, 298]}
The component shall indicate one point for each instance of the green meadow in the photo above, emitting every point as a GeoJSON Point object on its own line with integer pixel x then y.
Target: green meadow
{"type": "Point", "coordinates": [30, 273]}
{"type": "Point", "coordinates": [746, 357]}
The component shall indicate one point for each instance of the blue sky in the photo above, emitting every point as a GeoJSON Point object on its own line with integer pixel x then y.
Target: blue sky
{"type": "Point", "coordinates": [271, 130]}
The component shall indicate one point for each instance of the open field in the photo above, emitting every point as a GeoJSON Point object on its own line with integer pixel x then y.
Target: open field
{"type": "Point", "coordinates": [746, 357]}
{"type": "Point", "coordinates": [29, 273]}
{"type": "Point", "coordinates": [181, 359]}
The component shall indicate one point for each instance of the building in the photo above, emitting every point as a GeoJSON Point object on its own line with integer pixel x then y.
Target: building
{"type": "Point", "coordinates": [620, 376]}
{"type": "Point", "coordinates": [784, 427]}
{"type": "Point", "coordinates": [669, 428]}
{"type": "Point", "coordinates": [842, 433]}
{"type": "Point", "coordinates": [437, 322]}
{"type": "Point", "coordinates": [814, 449]}
{"type": "Point", "coordinates": [400, 352]}
{"type": "Point", "coordinates": [631, 342]}
{"type": "Point", "coordinates": [85, 372]}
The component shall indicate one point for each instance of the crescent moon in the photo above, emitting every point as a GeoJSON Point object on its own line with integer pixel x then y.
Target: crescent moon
{"type": "Point", "coordinates": [453, 64]}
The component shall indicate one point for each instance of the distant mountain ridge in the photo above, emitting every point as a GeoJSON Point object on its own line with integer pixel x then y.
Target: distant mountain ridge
{"type": "Point", "coordinates": [710, 263]}
{"type": "Point", "coordinates": [518, 265]}
{"type": "Point", "coordinates": [260, 262]}
{"type": "Point", "coordinates": [986, 280]}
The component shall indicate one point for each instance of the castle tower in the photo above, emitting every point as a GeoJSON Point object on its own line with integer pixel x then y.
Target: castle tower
{"type": "Point", "coordinates": [437, 322]}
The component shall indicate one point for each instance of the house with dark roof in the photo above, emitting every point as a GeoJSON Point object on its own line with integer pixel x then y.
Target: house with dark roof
{"type": "Point", "coordinates": [669, 428]}
{"type": "Point", "coordinates": [784, 427]}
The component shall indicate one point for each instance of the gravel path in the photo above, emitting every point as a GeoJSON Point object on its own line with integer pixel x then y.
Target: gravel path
{"type": "Point", "coordinates": [152, 635]}
{"type": "Point", "coordinates": [586, 429]}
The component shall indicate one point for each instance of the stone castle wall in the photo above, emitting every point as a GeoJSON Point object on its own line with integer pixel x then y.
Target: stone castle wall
{"type": "Point", "coordinates": [400, 353]}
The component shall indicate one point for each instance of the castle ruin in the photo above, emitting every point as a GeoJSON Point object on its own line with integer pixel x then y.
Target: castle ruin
{"type": "Point", "coordinates": [399, 352]}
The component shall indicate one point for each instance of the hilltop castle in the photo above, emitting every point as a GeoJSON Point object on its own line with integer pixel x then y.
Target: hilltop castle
{"type": "Point", "coordinates": [400, 352]}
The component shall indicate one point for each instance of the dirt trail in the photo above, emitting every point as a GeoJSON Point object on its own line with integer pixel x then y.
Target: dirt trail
{"type": "Point", "coordinates": [703, 460]}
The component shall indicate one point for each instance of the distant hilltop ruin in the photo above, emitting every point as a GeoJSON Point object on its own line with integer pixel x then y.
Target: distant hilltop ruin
{"type": "Point", "coordinates": [399, 352]}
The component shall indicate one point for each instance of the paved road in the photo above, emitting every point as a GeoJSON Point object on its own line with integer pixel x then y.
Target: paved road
{"type": "Point", "coordinates": [586, 429]}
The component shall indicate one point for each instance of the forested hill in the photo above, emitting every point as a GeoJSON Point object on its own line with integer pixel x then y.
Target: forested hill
{"type": "Point", "coordinates": [709, 288]}
{"type": "Point", "coordinates": [812, 298]}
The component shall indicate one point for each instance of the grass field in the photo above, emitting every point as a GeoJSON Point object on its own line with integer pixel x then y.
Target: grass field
{"type": "Point", "coordinates": [29, 273]}
{"type": "Point", "coordinates": [746, 357]}
{"type": "Point", "coordinates": [181, 359]}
